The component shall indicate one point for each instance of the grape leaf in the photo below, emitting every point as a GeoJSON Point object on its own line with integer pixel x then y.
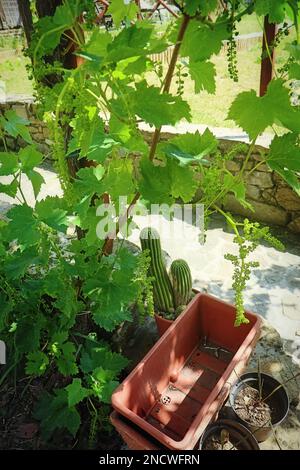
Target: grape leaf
{"type": "Point", "coordinates": [76, 392]}
{"type": "Point", "coordinates": [17, 264]}
{"type": "Point", "coordinates": [53, 412]}
{"type": "Point", "coordinates": [183, 183]}
{"type": "Point", "coordinates": [203, 74]}
{"type": "Point", "coordinates": [161, 184]}
{"type": "Point", "coordinates": [154, 185]}
{"type": "Point", "coordinates": [97, 353]}
{"type": "Point", "coordinates": [53, 213]}
{"type": "Point", "coordinates": [8, 163]}
{"type": "Point", "coordinates": [107, 391]}
{"type": "Point", "coordinates": [29, 158]}
{"type": "Point", "coordinates": [191, 7]}
{"type": "Point", "coordinates": [112, 289]}
{"type": "Point", "coordinates": [33, 323]}
{"type": "Point", "coordinates": [133, 41]}
{"type": "Point", "coordinates": [23, 226]}
{"type": "Point", "coordinates": [15, 125]}
{"type": "Point", "coordinates": [159, 108]}
{"type": "Point", "coordinates": [188, 148]}
{"type": "Point", "coordinates": [284, 158]}
{"type": "Point", "coordinates": [120, 10]}
{"type": "Point", "coordinates": [36, 180]}
{"type": "Point", "coordinates": [37, 363]}
{"type": "Point", "coordinates": [238, 188]}
{"type": "Point", "coordinates": [201, 41]}
{"type": "Point", "coordinates": [66, 363]}
{"type": "Point", "coordinates": [294, 71]}
{"type": "Point", "coordinates": [9, 189]}
{"type": "Point", "coordinates": [118, 181]}
{"type": "Point", "coordinates": [274, 107]}
{"type": "Point", "coordinates": [275, 9]}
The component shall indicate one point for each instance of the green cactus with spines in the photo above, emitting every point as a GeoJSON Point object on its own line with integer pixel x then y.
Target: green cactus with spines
{"type": "Point", "coordinates": [162, 287]}
{"type": "Point", "coordinates": [181, 279]}
{"type": "Point", "coordinates": [170, 292]}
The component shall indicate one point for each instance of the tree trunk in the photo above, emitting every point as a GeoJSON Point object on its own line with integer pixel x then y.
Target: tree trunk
{"type": "Point", "coordinates": [26, 16]}
{"type": "Point", "coordinates": [47, 7]}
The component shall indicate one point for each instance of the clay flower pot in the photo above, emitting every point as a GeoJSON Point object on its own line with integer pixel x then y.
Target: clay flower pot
{"type": "Point", "coordinates": [180, 385]}
{"type": "Point", "coordinates": [238, 436]}
{"type": "Point", "coordinates": [278, 402]}
{"type": "Point", "coordinates": [162, 324]}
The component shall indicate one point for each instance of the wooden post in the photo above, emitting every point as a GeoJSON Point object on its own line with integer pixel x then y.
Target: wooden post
{"type": "Point", "coordinates": [267, 63]}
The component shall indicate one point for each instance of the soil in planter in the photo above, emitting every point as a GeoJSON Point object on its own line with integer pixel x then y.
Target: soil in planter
{"type": "Point", "coordinates": [214, 442]}
{"type": "Point", "coordinates": [251, 409]}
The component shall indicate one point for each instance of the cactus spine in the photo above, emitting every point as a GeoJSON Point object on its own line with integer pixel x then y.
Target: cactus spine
{"type": "Point", "coordinates": [181, 279]}
{"type": "Point", "coordinates": [162, 287]}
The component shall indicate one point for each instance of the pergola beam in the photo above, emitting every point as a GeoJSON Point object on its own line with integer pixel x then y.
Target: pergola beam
{"type": "Point", "coordinates": [268, 56]}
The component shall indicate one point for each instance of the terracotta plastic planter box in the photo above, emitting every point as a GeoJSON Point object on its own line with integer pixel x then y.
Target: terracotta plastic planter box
{"type": "Point", "coordinates": [178, 387]}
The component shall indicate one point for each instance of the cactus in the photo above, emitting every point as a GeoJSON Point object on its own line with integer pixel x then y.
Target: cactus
{"type": "Point", "coordinates": [181, 279]}
{"type": "Point", "coordinates": [162, 287]}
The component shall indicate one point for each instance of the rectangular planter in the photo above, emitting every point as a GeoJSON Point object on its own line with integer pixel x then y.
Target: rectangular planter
{"type": "Point", "coordinates": [178, 387]}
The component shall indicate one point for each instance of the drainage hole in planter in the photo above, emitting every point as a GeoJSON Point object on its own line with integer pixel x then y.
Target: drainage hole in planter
{"type": "Point", "coordinates": [166, 400]}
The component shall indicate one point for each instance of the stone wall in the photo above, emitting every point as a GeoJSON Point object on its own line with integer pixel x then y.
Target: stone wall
{"type": "Point", "coordinates": [26, 108]}
{"type": "Point", "coordinates": [272, 199]}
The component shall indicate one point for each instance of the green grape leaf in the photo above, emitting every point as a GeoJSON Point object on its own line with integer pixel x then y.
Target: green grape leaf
{"type": "Point", "coordinates": [131, 42]}
{"type": "Point", "coordinates": [76, 392]}
{"type": "Point", "coordinates": [15, 125]}
{"type": "Point", "coordinates": [161, 184]}
{"type": "Point", "coordinates": [97, 353]}
{"type": "Point", "coordinates": [238, 188]}
{"type": "Point", "coordinates": [29, 158]}
{"type": "Point", "coordinates": [183, 183]}
{"type": "Point", "coordinates": [89, 180]}
{"type": "Point", "coordinates": [275, 9]}
{"type": "Point", "coordinates": [17, 264]}
{"type": "Point", "coordinates": [108, 390]}
{"type": "Point", "coordinates": [98, 43]}
{"type": "Point", "coordinates": [53, 213]}
{"type": "Point", "coordinates": [203, 74]}
{"type": "Point", "coordinates": [189, 148]}
{"type": "Point", "coordinates": [191, 7]}
{"type": "Point", "coordinates": [294, 50]}
{"type": "Point", "coordinates": [294, 71]}
{"type": "Point", "coordinates": [201, 41]}
{"type": "Point", "coordinates": [66, 363]}
{"type": "Point", "coordinates": [158, 108]}
{"type": "Point", "coordinates": [36, 180]}
{"type": "Point", "coordinates": [34, 323]}
{"type": "Point", "coordinates": [10, 189]}
{"type": "Point", "coordinates": [154, 185]}
{"type": "Point", "coordinates": [37, 363]}
{"type": "Point", "coordinates": [23, 226]}
{"type": "Point", "coordinates": [112, 289]}
{"type": "Point", "coordinates": [118, 181]}
{"type": "Point", "coordinates": [50, 28]}
{"type": "Point", "coordinates": [274, 107]}
{"type": "Point", "coordinates": [284, 158]}
{"type": "Point", "coordinates": [120, 11]}
{"type": "Point", "coordinates": [53, 412]}
{"type": "Point", "coordinates": [8, 163]}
